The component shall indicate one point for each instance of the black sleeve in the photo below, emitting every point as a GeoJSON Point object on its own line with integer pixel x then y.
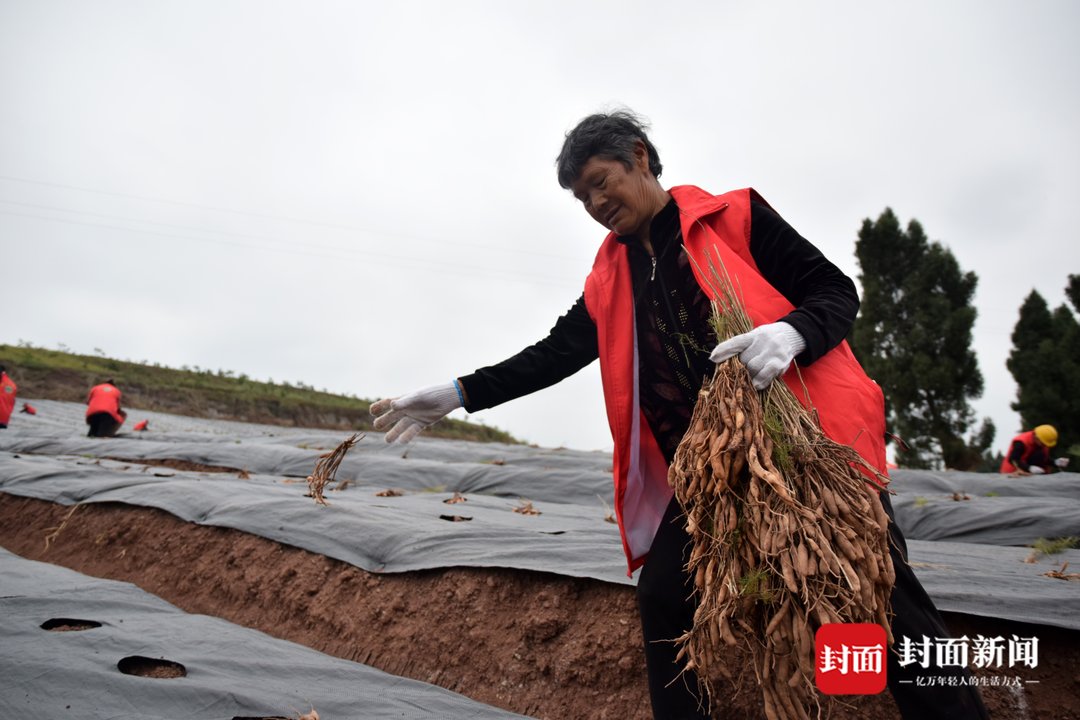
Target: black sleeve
{"type": "Point", "coordinates": [1040, 457]}
{"type": "Point", "coordinates": [825, 299]}
{"type": "Point", "coordinates": [570, 346]}
{"type": "Point", "coordinates": [1016, 452]}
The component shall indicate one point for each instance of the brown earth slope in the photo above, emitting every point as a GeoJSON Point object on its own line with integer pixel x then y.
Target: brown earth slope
{"type": "Point", "coordinates": [59, 375]}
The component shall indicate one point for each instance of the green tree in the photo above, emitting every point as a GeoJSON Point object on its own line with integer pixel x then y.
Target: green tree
{"type": "Point", "coordinates": [913, 336]}
{"type": "Point", "coordinates": [1045, 362]}
{"type": "Point", "coordinates": [1072, 291]}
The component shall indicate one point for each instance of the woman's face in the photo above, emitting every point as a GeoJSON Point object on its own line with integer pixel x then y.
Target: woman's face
{"type": "Point", "coordinates": [623, 200]}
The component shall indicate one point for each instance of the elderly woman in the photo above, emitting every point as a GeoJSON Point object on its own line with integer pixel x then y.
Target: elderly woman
{"type": "Point", "coordinates": [644, 314]}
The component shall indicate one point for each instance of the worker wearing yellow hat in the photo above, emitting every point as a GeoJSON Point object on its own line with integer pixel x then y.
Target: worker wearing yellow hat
{"type": "Point", "coordinates": [1029, 453]}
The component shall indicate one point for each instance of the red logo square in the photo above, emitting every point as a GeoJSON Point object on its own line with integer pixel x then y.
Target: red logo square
{"type": "Point", "coordinates": [850, 658]}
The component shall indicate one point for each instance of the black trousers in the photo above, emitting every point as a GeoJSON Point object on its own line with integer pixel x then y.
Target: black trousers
{"type": "Point", "coordinates": [666, 603]}
{"type": "Point", "coordinates": [102, 425]}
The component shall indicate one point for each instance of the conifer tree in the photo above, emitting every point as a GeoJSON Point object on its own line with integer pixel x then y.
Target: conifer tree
{"type": "Point", "coordinates": [1045, 362]}
{"type": "Point", "coordinates": [913, 336]}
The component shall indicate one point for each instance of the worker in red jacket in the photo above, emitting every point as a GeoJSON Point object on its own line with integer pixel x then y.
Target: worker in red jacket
{"type": "Point", "coordinates": [644, 314]}
{"type": "Point", "coordinates": [7, 397]}
{"type": "Point", "coordinates": [1029, 453]}
{"type": "Point", "coordinates": [103, 413]}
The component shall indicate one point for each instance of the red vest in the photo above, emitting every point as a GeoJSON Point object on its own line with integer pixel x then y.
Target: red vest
{"type": "Point", "coordinates": [1030, 444]}
{"type": "Point", "coordinates": [850, 405]}
{"type": "Point", "coordinates": [7, 398]}
{"type": "Point", "coordinates": [104, 398]}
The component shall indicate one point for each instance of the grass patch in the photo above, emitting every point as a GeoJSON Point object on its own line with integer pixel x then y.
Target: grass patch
{"type": "Point", "coordinates": [756, 584]}
{"type": "Point", "coordinates": [1052, 546]}
{"type": "Point", "coordinates": [781, 453]}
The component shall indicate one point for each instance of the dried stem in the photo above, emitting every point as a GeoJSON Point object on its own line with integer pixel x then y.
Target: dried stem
{"type": "Point", "coordinates": [55, 532]}
{"type": "Point", "coordinates": [326, 468]}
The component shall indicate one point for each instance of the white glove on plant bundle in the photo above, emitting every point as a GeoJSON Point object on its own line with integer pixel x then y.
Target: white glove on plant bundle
{"type": "Point", "coordinates": [1035, 470]}
{"type": "Point", "coordinates": [409, 414]}
{"type": "Point", "coordinates": [767, 351]}
{"type": "Point", "coordinates": [1062, 463]}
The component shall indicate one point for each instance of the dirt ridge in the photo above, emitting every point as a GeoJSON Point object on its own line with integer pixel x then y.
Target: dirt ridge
{"type": "Point", "coordinates": [542, 645]}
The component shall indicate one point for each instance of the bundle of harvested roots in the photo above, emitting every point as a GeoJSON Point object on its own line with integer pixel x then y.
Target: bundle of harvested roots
{"type": "Point", "coordinates": [326, 468]}
{"type": "Point", "coordinates": [787, 532]}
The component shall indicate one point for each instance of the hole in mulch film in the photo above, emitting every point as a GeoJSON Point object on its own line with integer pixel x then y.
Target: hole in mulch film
{"type": "Point", "coordinates": [68, 624]}
{"type": "Point", "coordinates": [455, 518]}
{"type": "Point", "coordinates": [151, 667]}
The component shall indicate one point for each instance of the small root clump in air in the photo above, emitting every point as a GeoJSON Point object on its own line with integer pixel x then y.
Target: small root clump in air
{"type": "Point", "coordinates": [326, 468]}
{"type": "Point", "coordinates": [787, 531]}
{"type": "Point", "coordinates": [525, 507]}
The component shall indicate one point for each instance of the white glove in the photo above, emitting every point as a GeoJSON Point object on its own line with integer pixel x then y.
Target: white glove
{"type": "Point", "coordinates": [1035, 470]}
{"type": "Point", "coordinates": [767, 351]}
{"type": "Point", "coordinates": [409, 414]}
{"type": "Point", "coordinates": [1062, 463]}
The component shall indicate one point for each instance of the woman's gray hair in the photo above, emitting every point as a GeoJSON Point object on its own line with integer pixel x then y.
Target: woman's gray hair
{"type": "Point", "coordinates": [611, 135]}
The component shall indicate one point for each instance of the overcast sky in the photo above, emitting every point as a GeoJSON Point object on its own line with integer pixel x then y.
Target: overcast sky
{"type": "Point", "coordinates": [361, 195]}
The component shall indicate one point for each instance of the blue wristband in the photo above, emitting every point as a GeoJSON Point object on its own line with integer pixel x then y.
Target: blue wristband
{"type": "Point", "coordinates": [460, 397]}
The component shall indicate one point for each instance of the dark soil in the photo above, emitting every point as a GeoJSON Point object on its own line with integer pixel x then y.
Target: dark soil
{"type": "Point", "coordinates": [151, 667]}
{"type": "Point", "coordinates": [67, 625]}
{"type": "Point", "coordinates": [541, 645]}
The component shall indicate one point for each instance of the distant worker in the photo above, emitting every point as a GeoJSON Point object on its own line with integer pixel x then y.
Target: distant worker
{"type": "Point", "coordinates": [141, 426]}
{"type": "Point", "coordinates": [28, 409]}
{"type": "Point", "coordinates": [103, 413]}
{"type": "Point", "coordinates": [1029, 453]}
{"type": "Point", "coordinates": [7, 397]}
